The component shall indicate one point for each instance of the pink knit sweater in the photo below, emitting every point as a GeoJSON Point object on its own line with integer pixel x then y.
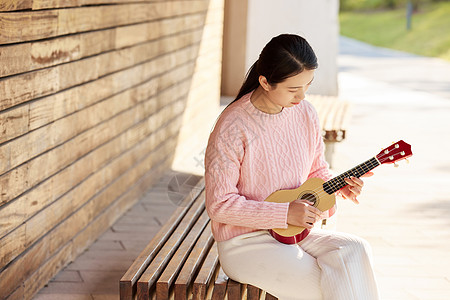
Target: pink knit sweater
{"type": "Point", "coordinates": [250, 155]}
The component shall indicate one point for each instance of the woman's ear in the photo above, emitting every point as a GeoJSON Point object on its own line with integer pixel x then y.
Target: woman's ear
{"type": "Point", "coordinates": [264, 83]}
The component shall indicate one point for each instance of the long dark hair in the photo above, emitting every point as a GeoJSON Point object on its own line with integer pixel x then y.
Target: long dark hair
{"type": "Point", "coordinates": [284, 56]}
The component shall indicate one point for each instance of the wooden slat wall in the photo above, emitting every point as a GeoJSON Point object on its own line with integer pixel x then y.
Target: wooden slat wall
{"type": "Point", "coordinates": [95, 97]}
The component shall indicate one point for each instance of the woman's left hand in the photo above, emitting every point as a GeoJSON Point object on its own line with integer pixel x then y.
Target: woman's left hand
{"type": "Point", "coordinates": [354, 187]}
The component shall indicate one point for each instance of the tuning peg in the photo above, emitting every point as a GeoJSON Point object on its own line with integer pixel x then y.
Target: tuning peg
{"type": "Point", "coordinates": [395, 165]}
{"type": "Point", "coordinates": [407, 160]}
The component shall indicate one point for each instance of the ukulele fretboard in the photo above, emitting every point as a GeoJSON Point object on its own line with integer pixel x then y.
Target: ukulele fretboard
{"type": "Point", "coordinates": [338, 182]}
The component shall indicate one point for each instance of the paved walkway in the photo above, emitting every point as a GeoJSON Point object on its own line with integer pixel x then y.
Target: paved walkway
{"type": "Point", "coordinates": [404, 212]}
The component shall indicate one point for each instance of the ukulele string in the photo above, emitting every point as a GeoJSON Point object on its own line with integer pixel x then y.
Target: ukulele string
{"type": "Point", "coordinates": [321, 192]}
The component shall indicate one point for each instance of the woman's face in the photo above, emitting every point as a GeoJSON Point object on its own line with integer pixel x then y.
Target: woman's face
{"type": "Point", "coordinates": [291, 91]}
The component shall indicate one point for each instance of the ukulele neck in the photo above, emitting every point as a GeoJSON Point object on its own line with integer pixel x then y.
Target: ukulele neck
{"type": "Point", "coordinates": [338, 182]}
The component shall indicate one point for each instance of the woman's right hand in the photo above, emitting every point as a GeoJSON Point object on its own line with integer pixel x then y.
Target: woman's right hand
{"type": "Point", "coordinates": [302, 213]}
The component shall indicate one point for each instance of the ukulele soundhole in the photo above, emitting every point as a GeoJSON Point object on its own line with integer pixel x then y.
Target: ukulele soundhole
{"type": "Point", "coordinates": [309, 197]}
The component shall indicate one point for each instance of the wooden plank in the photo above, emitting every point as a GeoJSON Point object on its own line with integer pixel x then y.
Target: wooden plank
{"type": "Point", "coordinates": [326, 111]}
{"type": "Point", "coordinates": [89, 234]}
{"type": "Point", "coordinates": [95, 159]}
{"type": "Point", "coordinates": [253, 292]}
{"type": "Point", "coordinates": [54, 107]}
{"type": "Point", "coordinates": [332, 106]}
{"type": "Point", "coordinates": [45, 220]}
{"type": "Point", "coordinates": [184, 282]}
{"type": "Point", "coordinates": [206, 274]}
{"type": "Point", "coordinates": [12, 245]}
{"type": "Point", "coordinates": [21, 268]}
{"type": "Point", "coordinates": [42, 195]}
{"type": "Point", "coordinates": [341, 120]}
{"type": "Point", "coordinates": [125, 201]}
{"type": "Point", "coordinates": [61, 209]}
{"type": "Point", "coordinates": [46, 4]}
{"type": "Point", "coordinates": [30, 56]}
{"type": "Point", "coordinates": [159, 74]}
{"type": "Point", "coordinates": [133, 95]}
{"type": "Point", "coordinates": [333, 116]}
{"type": "Point", "coordinates": [31, 173]}
{"type": "Point", "coordinates": [270, 297]}
{"type": "Point", "coordinates": [13, 5]}
{"type": "Point", "coordinates": [167, 279]}
{"type": "Point", "coordinates": [156, 267]}
{"type": "Point", "coordinates": [47, 270]}
{"type": "Point", "coordinates": [13, 276]}
{"type": "Point", "coordinates": [320, 104]}
{"type": "Point", "coordinates": [28, 146]}
{"type": "Point", "coordinates": [48, 81]}
{"type": "Point", "coordinates": [129, 279]}
{"type": "Point", "coordinates": [235, 290]}
{"type": "Point", "coordinates": [334, 125]}
{"type": "Point", "coordinates": [18, 294]}
{"type": "Point", "coordinates": [338, 109]}
{"type": "Point", "coordinates": [220, 286]}
{"type": "Point", "coordinates": [58, 185]}
{"type": "Point", "coordinates": [35, 25]}
{"type": "Point", "coordinates": [210, 287]}
{"type": "Point", "coordinates": [26, 57]}
{"type": "Point", "coordinates": [13, 123]}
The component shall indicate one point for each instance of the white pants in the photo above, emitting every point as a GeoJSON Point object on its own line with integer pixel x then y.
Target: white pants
{"type": "Point", "coordinates": [325, 265]}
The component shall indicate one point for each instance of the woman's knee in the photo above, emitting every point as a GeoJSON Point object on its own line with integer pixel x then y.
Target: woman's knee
{"type": "Point", "coordinates": [357, 246]}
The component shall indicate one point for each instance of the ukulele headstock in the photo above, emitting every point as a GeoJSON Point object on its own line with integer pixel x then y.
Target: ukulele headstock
{"type": "Point", "coordinates": [397, 151]}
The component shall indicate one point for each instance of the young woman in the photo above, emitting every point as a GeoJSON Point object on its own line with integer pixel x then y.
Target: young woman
{"type": "Point", "coordinates": [268, 139]}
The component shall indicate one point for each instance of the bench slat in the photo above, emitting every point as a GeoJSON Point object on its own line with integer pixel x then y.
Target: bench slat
{"type": "Point", "coordinates": [168, 277]}
{"type": "Point", "coordinates": [192, 265]}
{"type": "Point", "coordinates": [333, 115]}
{"type": "Point", "coordinates": [130, 278]}
{"type": "Point", "coordinates": [270, 297]}
{"type": "Point", "coordinates": [206, 274]}
{"type": "Point", "coordinates": [328, 126]}
{"type": "Point", "coordinates": [332, 107]}
{"type": "Point", "coordinates": [253, 293]}
{"type": "Point", "coordinates": [235, 290]}
{"type": "Point", "coordinates": [342, 120]}
{"type": "Point", "coordinates": [220, 286]}
{"type": "Point", "coordinates": [156, 267]}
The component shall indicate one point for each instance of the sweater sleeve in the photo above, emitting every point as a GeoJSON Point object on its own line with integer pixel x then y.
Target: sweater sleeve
{"type": "Point", "coordinates": [224, 203]}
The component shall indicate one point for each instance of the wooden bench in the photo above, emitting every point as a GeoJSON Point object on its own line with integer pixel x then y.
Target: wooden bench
{"type": "Point", "coordinates": [181, 261]}
{"type": "Point", "coordinates": [334, 115]}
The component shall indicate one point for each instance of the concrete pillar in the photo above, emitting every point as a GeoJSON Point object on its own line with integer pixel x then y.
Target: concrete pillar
{"type": "Point", "coordinates": [250, 24]}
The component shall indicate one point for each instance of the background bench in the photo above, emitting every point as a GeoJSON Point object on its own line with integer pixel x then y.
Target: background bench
{"type": "Point", "coordinates": [334, 115]}
{"type": "Point", "coordinates": [181, 261]}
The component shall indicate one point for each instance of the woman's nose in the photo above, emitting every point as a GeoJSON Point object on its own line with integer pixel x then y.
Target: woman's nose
{"type": "Point", "coordinates": [300, 95]}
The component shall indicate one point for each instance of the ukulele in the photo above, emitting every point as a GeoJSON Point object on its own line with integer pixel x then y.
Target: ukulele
{"type": "Point", "coordinates": [321, 193]}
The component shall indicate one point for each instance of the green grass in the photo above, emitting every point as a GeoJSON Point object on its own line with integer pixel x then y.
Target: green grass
{"type": "Point", "coordinates": [429, 34]}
